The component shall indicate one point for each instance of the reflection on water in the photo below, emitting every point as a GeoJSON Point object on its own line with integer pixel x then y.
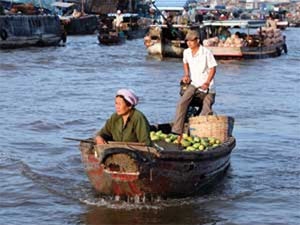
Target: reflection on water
{"type": "Point", "coordinates": [51, 93]}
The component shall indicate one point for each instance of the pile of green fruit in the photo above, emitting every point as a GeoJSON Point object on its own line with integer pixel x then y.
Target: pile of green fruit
{"type": "Point", "coordinates": [160, 136]}
{"type": "Point", "coordinates": [199, 144]}
{"type": "Point", "coordinates": [190, 143]}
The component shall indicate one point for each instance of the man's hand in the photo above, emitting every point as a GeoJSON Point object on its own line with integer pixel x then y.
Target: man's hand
{"type": "Point", "coordinates": [205, 86]}
{"type": "Point", "coordinates": [186, 79]}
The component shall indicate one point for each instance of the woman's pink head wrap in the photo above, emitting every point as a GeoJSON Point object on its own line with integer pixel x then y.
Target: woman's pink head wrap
{"type": "Point", "coordinates": [129, 95]}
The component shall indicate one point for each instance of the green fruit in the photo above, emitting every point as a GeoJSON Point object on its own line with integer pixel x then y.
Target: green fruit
{"type": "Point", "coordinates": [159, 132]}
{"type": "Point", "coordinates": [162, 135]}
{"type": "Point", "coordinates": [211, 140]}
{"type": "Point", "coordinates": [168, 140]}
{"type": "Point", "coordinates": [175, 141]}
{"type": "Point", "coordinates": [201, 147]}
{"type": "Point", "coordinates": [173, 137]}
{"type": "Point", "coordinates": [215, 145]}
{"type": "Point", "coordinates": [185, 136]}
{"type": "Point", "coordinates": [185, 143]}
{"type": "Point", "coordinates": [190, 148]}
{"type": "Point", "coordinates": [196, 145]}
{"type": "Point", "coordinates": [190, 139]}
{"type": "Point", "coordinates": [218, 141]}
{"type": "Point", "coordinates": [155, 138]}
{"type": "Point", "coordinates": [197, 139]}
{"type": "Point", "coordinates": [204, 142]}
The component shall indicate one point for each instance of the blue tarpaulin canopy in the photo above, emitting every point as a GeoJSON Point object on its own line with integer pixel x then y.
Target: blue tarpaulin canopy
{"type": "Point", "coordinates": [170, 3]}
{"type": "Point", "coordinates": [37, 3]}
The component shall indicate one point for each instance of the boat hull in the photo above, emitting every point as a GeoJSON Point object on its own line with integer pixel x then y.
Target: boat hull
{"type": "Point", "coordinates": [273, 50]}
{"type": "Point", "coordinates": [29, 30]}
{"type": "Point", "coordinates": [176, 51]}
{"type": "Point", "coordinates": [128, 170]}
{"type": "Point", "coordinates": [79, 26]}
{"type": "Point", "coordinates": [283, 24]}
{"type": "Point", "coordinates": [107, 39]}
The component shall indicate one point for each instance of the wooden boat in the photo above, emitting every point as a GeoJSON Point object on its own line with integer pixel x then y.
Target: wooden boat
{"type": "Point", "coordinates": [294, 22]}
{"type": "Point", "coordinates": [258, 41]}
{"type": "Point", "coordinates": [134, 170]}
{"type": "Point", "coordinates": [29, 30]}
{"type": "Point", "coordinates": [111, 37]}
{"type": "Point", "coordinates": [86, 24]}
{"type": "Point", "coordinates": [76, 23]}
{"type": "Point", "coordinates": [161, 41]}
{"type": "Point", "coordinates": [282, 24]}
{"type": "Point", "coordinates": [133, 26]}
{"type": "Point", "coordinates": [164, 42]}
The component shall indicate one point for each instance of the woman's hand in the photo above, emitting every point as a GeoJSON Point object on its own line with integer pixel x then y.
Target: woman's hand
{"type": "Point", "coordinates": [99, 140]}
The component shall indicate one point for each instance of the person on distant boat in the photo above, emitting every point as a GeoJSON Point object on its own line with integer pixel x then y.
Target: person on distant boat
{"type": "Point", "coordinates": [199, 71]}
{"type": "Point", "coordinates": [127, 124]}
{"type": "Point", "coordinates": [271, 22]}
{"type": "Point", "coordinates": [1, 9]}
{"type": "Point", "coordinates": [76, 13]}
{"type": "Point", "coordinates": [164, 17]}
{"type": "Point", "coordinates": [284, 45]}
{"type": "Point", "coordinates": [223, 33]}
{"type": "Point", "coordinates": [223, 17]}
{"type": "Point", "coordinates": [185, 16]}
{"type": "Point", "coordinates": [117, 23]}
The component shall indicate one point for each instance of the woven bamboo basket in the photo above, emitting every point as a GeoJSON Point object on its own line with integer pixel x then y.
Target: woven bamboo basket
{"type": "Point", "coordinates": [216, 126]}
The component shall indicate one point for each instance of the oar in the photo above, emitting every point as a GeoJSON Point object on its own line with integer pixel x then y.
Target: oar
{"type": "Point", "coordinates": [169, 25]}
{"type": "Point", "coordinates": [77, 139]}
{"type": "Point", "coordinates": [109, 142]}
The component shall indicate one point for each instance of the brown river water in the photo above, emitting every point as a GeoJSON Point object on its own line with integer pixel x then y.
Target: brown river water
{"type": "Point", "coordinates": [50, 93]}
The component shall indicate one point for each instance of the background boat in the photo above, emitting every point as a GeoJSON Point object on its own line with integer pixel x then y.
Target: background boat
{"type": "Point", "coordinates": [74, 19]}
{"type": "Point", "coordinates": [168, 41]}
{"type": "Point", "coordinates": [110, 37]}
{"type": "Point", "coordinates": [29, 30]}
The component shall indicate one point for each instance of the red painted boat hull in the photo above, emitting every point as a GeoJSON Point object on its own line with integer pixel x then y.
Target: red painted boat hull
{"type": "Point", "coordinates": [165, 173]}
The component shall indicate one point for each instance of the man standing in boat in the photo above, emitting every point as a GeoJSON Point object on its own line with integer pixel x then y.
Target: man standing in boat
{"type": "Point", "coordinates": [199, 70]}
{"type": "Point", "coordinates": [118, 21]}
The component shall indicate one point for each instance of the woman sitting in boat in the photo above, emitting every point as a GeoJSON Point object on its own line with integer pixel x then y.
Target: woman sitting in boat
{"type": "Point", "coordinates": [127, 124]}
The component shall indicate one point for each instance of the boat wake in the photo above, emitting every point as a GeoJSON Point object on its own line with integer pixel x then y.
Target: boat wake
{"type": "Point", "coordinates": [79, 190]}
{"type": "Point", "coordinates": [67, 180]}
